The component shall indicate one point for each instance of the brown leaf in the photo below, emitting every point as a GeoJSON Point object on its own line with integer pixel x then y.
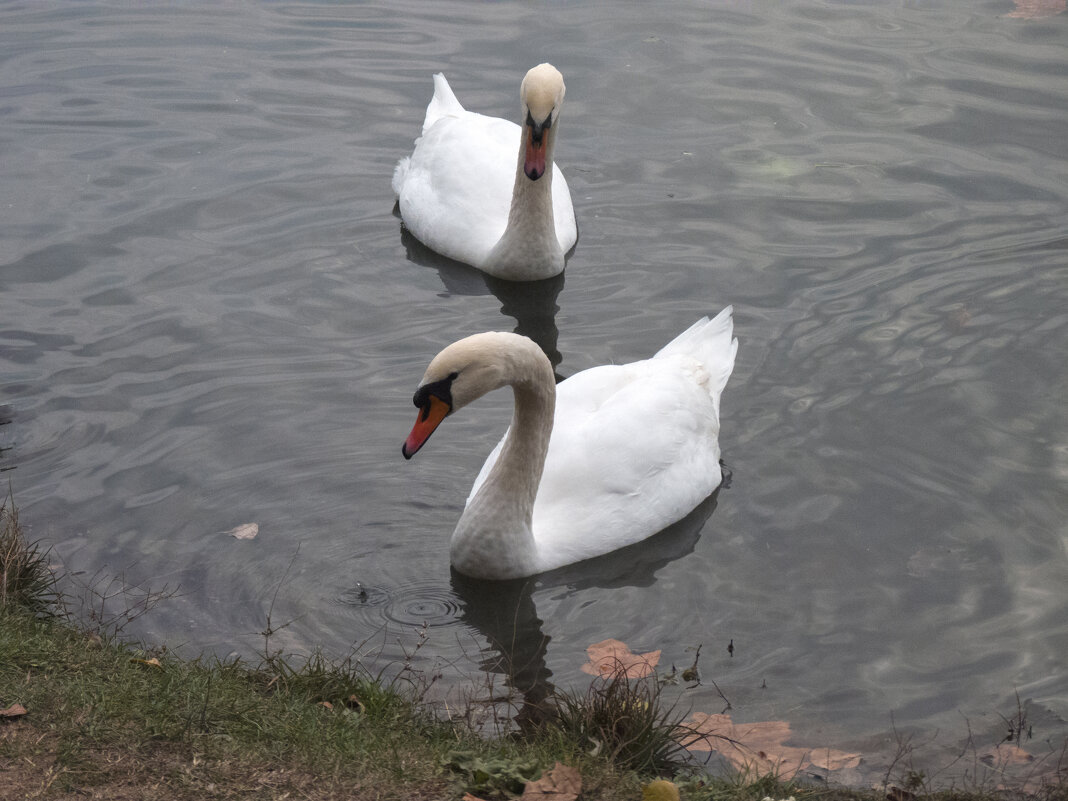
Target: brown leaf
{"type": "Point", "coordinates": [1006, 754]}
{"type": "Point", "coordinates": [562, 783]}
{"type": "Point", "coordinates": [12, 712]}
{"type": "Point", "coordinates": [1036, 9]}
{"type": "Point", "coordinates": [612, 657]}
{"type": "Point", "coordinates": [245, 531]}
{"type": "Point", "coordinates": [153, 662]}
{"type": "Point", "coordinates": [469, 797]}
{"type": "Point", "coordinates": [761, 746]}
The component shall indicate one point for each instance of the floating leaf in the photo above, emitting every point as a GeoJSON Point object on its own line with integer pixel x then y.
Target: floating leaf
{"type": "Point", "coordinates": [761, 746]}
{"type": "Point", "coordinates": [612, 657]}
{"type": "Point", "coordinates": [245, 531]}
{"type": "Point", "coordinates": [153, 662]}
{"type": "Point", "coordinates": [12, 712]}
{"type": "Point", "coordinates": [562, 783]}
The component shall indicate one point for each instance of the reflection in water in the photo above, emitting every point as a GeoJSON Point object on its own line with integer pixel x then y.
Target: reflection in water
{"type": "Point", "coordinates": [505, 614]}
{"type": "Point", "coordinates": [531, 303]}
{"type": "Point", "coordinates": [6, 416]}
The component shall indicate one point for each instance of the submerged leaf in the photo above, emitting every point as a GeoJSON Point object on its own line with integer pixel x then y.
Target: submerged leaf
{"type": "Point", "coordinates": [1036, 9]}
{"type": "Point", "coordinates": [614, 658]}
{"type": "Point", "coordinates": [761, 746]}
{"type": "Point", "coordinates": [1006, 754]}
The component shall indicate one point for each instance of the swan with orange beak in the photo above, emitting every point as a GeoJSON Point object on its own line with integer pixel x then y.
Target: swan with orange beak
{"type": "Point", "coordinates": [462, 194]}
{"type": "Point", "coordinates": [598, 462]}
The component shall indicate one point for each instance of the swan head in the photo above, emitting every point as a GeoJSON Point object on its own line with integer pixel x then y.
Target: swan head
{"type": "Point", "coordinates": [462, 372]}
{"type": "Point", "coordinates": [542, 94]}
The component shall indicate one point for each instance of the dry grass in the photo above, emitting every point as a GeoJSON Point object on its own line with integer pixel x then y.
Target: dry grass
{"type": "Point", "coordinates": [26, 582]}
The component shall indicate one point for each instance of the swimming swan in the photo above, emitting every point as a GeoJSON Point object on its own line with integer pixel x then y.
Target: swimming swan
{"type": "Point", "coordinates": [462, 194]}
{"type": "Point", "coordinates": [630, 449]}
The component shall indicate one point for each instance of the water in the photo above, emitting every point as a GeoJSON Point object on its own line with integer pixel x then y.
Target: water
{"type": "Point", "coordinates": [209, 316]}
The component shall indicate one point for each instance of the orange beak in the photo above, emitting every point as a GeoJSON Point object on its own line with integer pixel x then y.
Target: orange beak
{"type": "Point", "coordinates": [534, 161]}
{"type": "Point", "coordinates": [430, 417]}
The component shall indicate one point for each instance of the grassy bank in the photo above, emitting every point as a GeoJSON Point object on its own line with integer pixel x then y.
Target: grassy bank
{"type": "Point", "coordinates": [86, 715]}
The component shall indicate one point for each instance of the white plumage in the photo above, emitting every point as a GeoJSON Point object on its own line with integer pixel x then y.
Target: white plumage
{"type": "Point", "coordinates": [462, 193]}
{"type": "Point", "coordinates": [629, 450]}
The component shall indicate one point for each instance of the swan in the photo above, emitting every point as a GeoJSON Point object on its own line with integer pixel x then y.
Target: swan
{"type": "Point", "coordinates": [458, 193]}
{"type": "Point", "coordinates": [608, 457]}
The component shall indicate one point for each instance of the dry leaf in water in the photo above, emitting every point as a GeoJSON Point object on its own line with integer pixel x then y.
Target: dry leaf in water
{"type": "Point", "coordinates": [1037, 9]}
{"type": "Point", "coordinates": [245, 531]}
{"type": "Point", "coordinates": [761, 746]}
{"type": "Point", "coordinates": [12, 712]}
{"type": "Point", "coordinates": [1006, 754]}
{"type": "Point", "coordinates": [614, 658]}
{"type": "Point", "coordinates": [562, 783]}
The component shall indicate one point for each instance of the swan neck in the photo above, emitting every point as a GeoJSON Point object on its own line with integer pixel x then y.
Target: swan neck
{"type": "Point", "coordinates": [522, 458]}
{"type": "Point", "coordinates": [529, 249]}
{"type": "Point", "coordinates": [494, 537]}
{"type": "Point", "coordinates": [532, 201]}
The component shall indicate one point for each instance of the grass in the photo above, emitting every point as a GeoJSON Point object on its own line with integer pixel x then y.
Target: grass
{"type": "Point", "coordinates": [625, 720]}
{"type": "Point", "coordinates": [25, 580]}
{"type": "Point", "coordinates": [108, 719]}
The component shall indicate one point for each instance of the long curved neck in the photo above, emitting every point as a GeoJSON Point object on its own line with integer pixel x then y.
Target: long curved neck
{"type": "Point", "coordinates": [494, 537]}
{"type": "Point", "coordinates": [530, 238]}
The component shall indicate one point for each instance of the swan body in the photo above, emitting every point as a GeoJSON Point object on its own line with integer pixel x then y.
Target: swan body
{"type": "Point", "coordinates": [608, 457]}
{"type": "Point", "coordinates": [462, 194]}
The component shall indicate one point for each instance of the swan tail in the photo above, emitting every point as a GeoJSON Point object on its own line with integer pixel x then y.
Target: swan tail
{"type": "Point", "coordinates": [442, 104]}
{"type": "Point", "coordinates": [712, 343]}
{"type": "Point", "coordinates": [400, 174]}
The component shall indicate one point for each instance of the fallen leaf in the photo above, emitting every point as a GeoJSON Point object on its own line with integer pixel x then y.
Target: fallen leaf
{"type": "Point", "coordinates": [1006, 754]}
{"type": "Point", "coordinates": [469, 797]}
{"type": "Point", "coordinates": [12, 712]}
{"type": "Point", "coordinates": [326, 705]}
{"type": "Point", "coordinates": [760, 746]}
{"type": "Point", "coordinates": [562, 783]}
{"type": "Point", "coordinates": [1036, 9]}
{"type": "Point", "coordinates": [245, 531]}
{"type": "Point", "coordinates": [612, 657]}
{"type": "Point", "coordinates": [153, 662]}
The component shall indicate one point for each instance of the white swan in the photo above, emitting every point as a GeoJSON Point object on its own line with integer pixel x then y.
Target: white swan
{"type": "Point", "coordinates": [630, 449]}
{"type": "Point", "coordinates": [462, 194]}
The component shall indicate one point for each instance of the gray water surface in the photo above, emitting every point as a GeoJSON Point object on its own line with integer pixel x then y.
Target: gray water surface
{"type": "Point", "coordinates": [210, 315]}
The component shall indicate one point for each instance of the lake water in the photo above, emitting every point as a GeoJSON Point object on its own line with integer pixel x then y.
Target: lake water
{"type": "Point", "coordinates": [210, 316]}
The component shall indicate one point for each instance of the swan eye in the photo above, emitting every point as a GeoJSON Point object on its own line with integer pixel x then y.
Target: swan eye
{"type": "Point", "coordinates": [442, 390]}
